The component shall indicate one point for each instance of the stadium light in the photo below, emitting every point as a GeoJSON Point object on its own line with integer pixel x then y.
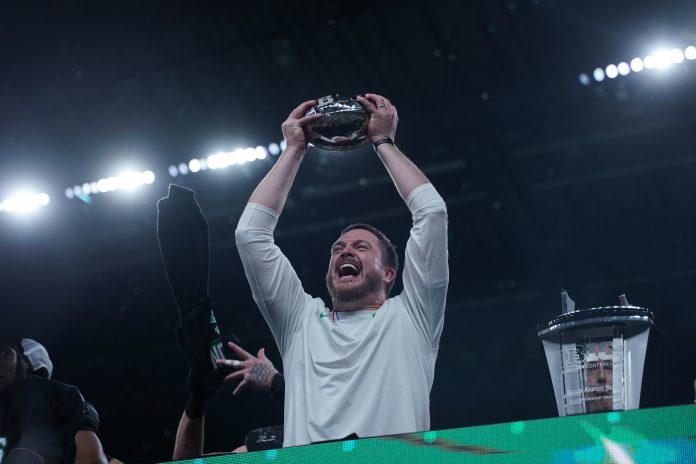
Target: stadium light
{"type": "Point", "coordinates": [24, 202]}
{"type": "Point", "coordinates": [637, 65]}
{"type": "Point", "coordinates": [623, 68]}
{"type": "Point", "coordinates": [223, 159]}
{"type": "Point", "coordinates": [650, 62]}
{"type": "Point", "coordinates": [274, 149]}
{"type": "Point", "coordinates": [690, 53]}
{"type": "Point", "coordinates": [660, 59]}
{"type": "Point", "coordinates": [598, 74]}
{"type": "Point", "coordinates": [133, 180]}
{"type": "Point", "coordinates": [194, 165]}
{"type": "Point", "coordinates": [676, 55]}
{"type": "Point", "coordinates": [126, 181]}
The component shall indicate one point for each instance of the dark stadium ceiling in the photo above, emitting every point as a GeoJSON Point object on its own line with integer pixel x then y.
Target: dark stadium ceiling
{"type": "Point", "coordinates": [549, 183]}
{"type": "Point", "coordinates": [85, 85]}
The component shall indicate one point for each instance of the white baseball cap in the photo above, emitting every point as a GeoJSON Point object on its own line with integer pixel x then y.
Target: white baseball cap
{"type": "Point", "coordinates": [37, 355]}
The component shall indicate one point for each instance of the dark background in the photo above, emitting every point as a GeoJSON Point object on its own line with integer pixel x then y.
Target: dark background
{"type": "Point", "coordinates": [550, 184]}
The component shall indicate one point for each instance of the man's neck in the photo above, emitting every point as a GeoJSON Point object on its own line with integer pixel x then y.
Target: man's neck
{"type": "Point", "coordinates": [367, 303]}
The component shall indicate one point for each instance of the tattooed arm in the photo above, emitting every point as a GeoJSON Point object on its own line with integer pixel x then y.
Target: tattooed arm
{"type": "Point", "coordinates": [256, 372]}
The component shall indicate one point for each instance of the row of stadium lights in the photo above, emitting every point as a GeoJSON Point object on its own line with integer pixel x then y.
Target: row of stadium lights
{"type": "Point", "coordinates": [29, 201]}
{"type": "Point", "coordinates": [127, 181]}
{"type": "Point", "coordinates": [658, 60]}
{"type": "Point", "coordinates": [24, 202]}
{"type": "Point", "coordinates": [224, 159]}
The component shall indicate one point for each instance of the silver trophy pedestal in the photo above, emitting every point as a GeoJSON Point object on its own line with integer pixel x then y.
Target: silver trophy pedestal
{"type": "Point", "coordinates": [596, 357]}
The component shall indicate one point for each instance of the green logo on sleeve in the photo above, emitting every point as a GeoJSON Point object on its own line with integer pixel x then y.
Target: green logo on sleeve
{"type": "Point", "coordinates": [322, 315]}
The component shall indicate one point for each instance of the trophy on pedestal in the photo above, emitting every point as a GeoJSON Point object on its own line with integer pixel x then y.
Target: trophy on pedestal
{"type": "Point", "coordinates": [596, 356]}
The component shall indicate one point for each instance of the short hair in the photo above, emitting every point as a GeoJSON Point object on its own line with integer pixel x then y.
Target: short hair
{"type": "Point", "coordinates": [387, 248]}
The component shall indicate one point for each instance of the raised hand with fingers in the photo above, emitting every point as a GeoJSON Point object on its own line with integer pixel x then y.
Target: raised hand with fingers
{"type": "Point", "coordinates": [256, 372]}
{"type": "Point", "coordinates": [295, 128]}
{"type": "Point", "coordinates": [383, 116]}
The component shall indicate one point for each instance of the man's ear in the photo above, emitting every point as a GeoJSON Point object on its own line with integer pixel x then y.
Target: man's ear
{"type": "Point", "coordinates": [389, 275]}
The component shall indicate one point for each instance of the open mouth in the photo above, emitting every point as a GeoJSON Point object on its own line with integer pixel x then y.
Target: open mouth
{"type": "Point", "coordinates": [347, 270]}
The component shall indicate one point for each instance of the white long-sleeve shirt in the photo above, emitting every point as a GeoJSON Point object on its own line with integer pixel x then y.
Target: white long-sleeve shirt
{"type": "Point", "coordinates": [363, 372]}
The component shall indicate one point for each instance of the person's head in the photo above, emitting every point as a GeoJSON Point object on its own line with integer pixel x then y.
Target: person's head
{"type": "Point", "coordinates": [363, 266]}
{"type": "Point", "coordinates": [13, 366]}
{"type": "Point", "coordinates": [599, 378]}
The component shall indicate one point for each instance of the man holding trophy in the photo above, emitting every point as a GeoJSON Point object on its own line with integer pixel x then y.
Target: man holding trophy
{"type": "Point", "coordinates": [363, 366]}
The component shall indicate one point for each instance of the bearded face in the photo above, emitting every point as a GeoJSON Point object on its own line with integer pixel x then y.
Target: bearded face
{"type": "Point", "coordinates": [348, 289]}
{"type": "Point", "coordinates": [355, 269]}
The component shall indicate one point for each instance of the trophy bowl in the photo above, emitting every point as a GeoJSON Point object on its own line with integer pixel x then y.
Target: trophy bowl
{"type": "Point", "coordinates": [343, 126]}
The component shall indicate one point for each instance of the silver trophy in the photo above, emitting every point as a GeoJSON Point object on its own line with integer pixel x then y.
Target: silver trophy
{"type": "Point", "coordinates": [343, 126]}
{"type": "Point", "coordinates": [596, 356]}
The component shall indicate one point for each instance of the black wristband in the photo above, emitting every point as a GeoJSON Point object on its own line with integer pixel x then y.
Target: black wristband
{"type": "Point", "coordinates": [381, 141]}
{"type": "Point", "coordinates": [195, 407]}
{"type": "Point", "coordinates": [278, 387]}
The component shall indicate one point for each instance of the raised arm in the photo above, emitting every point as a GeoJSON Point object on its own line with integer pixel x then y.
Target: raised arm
{"type": "Point", "coordinates": [189, 437]}
{"type": "Point", "coordinates": [274, 283]}
{"type": "Point", "coordinates": [426, 272]}
{"type": "Point", "coordinates": [274, 188]}
{"type": "Point", "coordinates": [383, 121]}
